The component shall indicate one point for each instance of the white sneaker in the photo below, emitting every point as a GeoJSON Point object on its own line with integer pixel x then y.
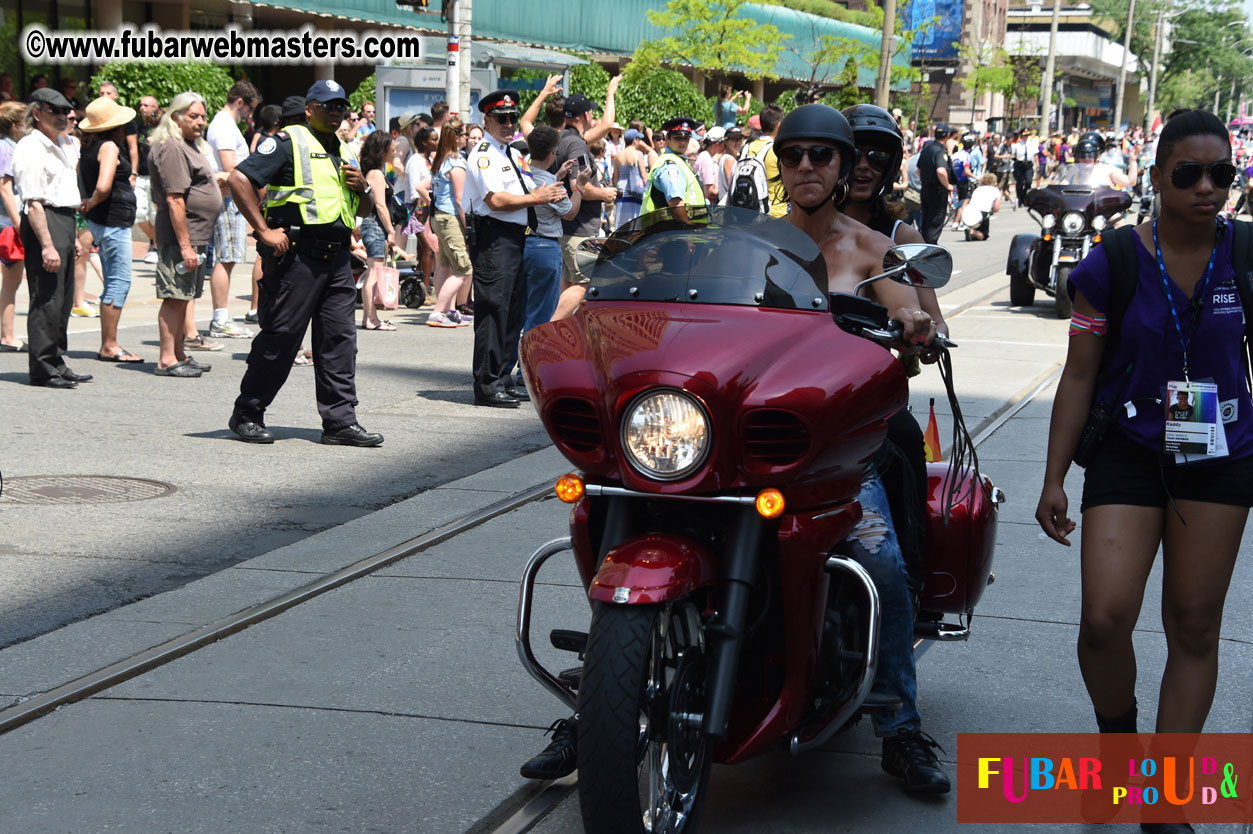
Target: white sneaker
{"type": "Point", "coordinates": [151, 257]}
{"type": "Point", "coordinates": [438, 319]}
{"type": "Point", "coordinates": [229, 330]}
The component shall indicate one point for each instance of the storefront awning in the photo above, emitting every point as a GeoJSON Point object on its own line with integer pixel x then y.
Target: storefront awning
{"type": "Point", "coordinates": [515, 55]}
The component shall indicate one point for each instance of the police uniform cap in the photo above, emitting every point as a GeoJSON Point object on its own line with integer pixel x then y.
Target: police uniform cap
{"type": "Point", "coordinates": [501, 101]}
{"type": "Point", "coordinates": [293, 107]}
{"type": "Point", "coordinates": [323, 91]}
{"type": "Point", "coordinates": [679, 125]}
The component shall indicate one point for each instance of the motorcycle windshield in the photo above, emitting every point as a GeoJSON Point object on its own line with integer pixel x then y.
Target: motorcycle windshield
{"type": "Point", "coordinates": [714, 255]}
{"type": "Point", "coordinates": [1094, 175]}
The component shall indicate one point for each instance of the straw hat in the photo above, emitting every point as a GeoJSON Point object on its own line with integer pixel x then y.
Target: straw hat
{"type": "Point", "coordinates": [105, 114]}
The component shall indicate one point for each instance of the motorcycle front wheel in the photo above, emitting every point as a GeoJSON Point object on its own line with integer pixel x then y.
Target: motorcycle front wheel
{"type": "Point", "coordinates": [1061, 293]}
{"type": "Point", "coordinates": [643, 760]}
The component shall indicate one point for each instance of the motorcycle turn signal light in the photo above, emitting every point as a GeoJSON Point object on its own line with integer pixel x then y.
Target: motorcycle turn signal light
{"type": "Point", "coordinates": [769, 503]}
{"type": "Point", "coordinates": [1047, 238]}
{"type": "Point", "coordinates": [1096, 238]}
{"type": "Point", "coordinates": [569, 488]}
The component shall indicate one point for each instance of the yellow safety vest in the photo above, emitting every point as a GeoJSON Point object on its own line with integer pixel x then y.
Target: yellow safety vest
{"type": "Point", "coordinates": [693, 193]}
{"type": "Point", "coordinates": [317, 188]}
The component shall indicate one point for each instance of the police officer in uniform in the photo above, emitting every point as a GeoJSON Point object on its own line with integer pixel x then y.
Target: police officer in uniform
{"type": "Point", "coordinates": [499, 205]}
{"type": "Point", "coordinates": [314, 192]}
{"type": "Point", "coordinates": [672, 182]}
{"type": "Point", "coordinates": [935, 168]}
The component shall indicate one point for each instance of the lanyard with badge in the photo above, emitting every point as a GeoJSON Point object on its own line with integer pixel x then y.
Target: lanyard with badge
{"type": "Point", "coordinates": [1193, 427]}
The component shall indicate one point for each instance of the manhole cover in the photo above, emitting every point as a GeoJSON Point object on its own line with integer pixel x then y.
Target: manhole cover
{"type": "Point", "coordinates": [80, 489]}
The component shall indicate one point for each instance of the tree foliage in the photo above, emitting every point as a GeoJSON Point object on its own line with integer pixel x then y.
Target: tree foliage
{"type": "Point", "coordinates": [712, 35]}
{"type": "Point", "coordinates": [363, 93]}
{"type": "Point", "coordinates": [164, 81]}
{"type": "Point", "coordinates": [657, 94]}
{"type": "Point", "coordinates": [1209, 41]}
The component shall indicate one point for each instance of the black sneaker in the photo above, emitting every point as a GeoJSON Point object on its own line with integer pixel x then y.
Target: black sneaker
{"type": "Point", "coordinates": [908, 756]}
{"type": "Point", "coordinates": [559, 758]}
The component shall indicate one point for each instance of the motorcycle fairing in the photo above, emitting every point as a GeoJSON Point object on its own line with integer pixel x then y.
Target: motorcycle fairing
{"type": "Point", "coordinates": [649, 569]}
{"type": "Point", "coordinates": [1020, 255]}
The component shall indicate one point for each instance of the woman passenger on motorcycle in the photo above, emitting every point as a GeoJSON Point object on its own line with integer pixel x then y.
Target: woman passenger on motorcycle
{"type": "Point", "coordinates": [816, 150]}
{"type": "Point", "coordinates": [1134, 499]}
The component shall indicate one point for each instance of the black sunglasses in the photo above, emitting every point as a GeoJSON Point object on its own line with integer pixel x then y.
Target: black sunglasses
{"type": "Point", "coordinates": [333, 106]}
{"type": "Point", "coordinates": [506, 118]}
{"type": "Point", "coordinates": [1188, 174]}
{"type": "Point", "coordinates": [820, 156]}
{"type": "Point", "coordinates": [879, 160]}
{"type": "Point", "coordinates": [57, 111]}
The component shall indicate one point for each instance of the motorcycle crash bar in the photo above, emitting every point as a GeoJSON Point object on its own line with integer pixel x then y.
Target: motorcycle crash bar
{"type": "Point", "coordinates": [522, 633]}
{"type": "Point", "coordinates": [571, 489]}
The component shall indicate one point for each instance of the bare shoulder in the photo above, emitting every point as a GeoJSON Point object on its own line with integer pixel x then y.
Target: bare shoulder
{"type": "Point", "coordinates": [907, 233]}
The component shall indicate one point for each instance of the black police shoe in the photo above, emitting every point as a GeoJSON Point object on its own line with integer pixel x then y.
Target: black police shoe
{"type": "Point", "coordinates": [352, 435]}
{"type": "Point", "coordinates": [497, 400]}
{"type": "Point", "coordinates": [519, 394]}
{"type": "Point", "coordinates": [250, 432]}
{"type": "Point", "coordinates": [559, 757]}
{"type": "Point", "coordinates": [53, 382]}
{"type": "Point", "coordinates": [908, 756]}
{"type": "Point", "coordinates": [70, 376]}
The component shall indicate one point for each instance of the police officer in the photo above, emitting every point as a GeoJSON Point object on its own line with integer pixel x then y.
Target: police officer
{"type": "Point", "coordinates": [939, 181]}
{"type": "Point", "coordinates": [314, 193]}
{"type": "Point", "coordinates": [672, 182]}
{"type": "Point", "coordinates": [499, 205]}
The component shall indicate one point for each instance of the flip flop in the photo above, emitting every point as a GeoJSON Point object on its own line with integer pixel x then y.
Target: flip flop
{"type": "Point", "coordinates": [123, 356]}
{"type": "Point", "coordinates": [13, 348]}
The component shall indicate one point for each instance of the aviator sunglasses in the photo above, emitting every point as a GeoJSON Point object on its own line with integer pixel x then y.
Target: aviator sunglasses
{"type": "Point", "coordinates": [506, 118]}
{"type": "Point", "coordinates": [879, 160]}
{"type": "Point", "coordinates": [820, 156]}
{"type": "Point", "coordinates": [1188, 174]}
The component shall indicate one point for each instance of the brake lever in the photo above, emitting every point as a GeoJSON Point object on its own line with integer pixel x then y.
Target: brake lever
{"type": "Point", "coordinates": [893, 334]}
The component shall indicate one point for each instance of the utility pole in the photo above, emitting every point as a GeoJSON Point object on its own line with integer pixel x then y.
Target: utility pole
{"type": "Point", "coordinates": [1157, 57]}
{"type": "Point", "coordinates": [1122, 73]}
{"type": "Point", "coordinates": [452, 74]}
{"type": "Point", "coordinates": [884, 88]}
{"type": "Point", "coordinates": [1231, 99]}
{"type": "Point", "coordinates": [1046, 82]}
{"type": "Point", "coordinates": [464, 52]}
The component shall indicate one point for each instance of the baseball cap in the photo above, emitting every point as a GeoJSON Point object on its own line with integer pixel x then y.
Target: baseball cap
{"type": "Point", "coordinates": [631, 135]}
{"type": "Point", "coordinates": [293, 107]}
{"type": "Point", "coordinates": [47, 95]}
{"type": "Point", "coordinates": [943, 130]}
{"type": "Point", "coordinates": [754, 122]}
{"type": "Point", "coordinates": [716, 134]}
{"type": "Point", "coordinates": [326, 91]}
{"type": "Point", "coordinates": [578, 104]}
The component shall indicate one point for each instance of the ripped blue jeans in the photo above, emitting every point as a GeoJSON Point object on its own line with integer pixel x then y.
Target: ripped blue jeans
{"type": "Point", "coordinates": [873, 545]}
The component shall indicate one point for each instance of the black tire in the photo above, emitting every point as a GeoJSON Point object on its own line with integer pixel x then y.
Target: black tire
{"type": "Point", "coordinates": [1021, 290]}
{"type": "Point", "coordinates": [644, 668]}
{"type": "Point", "coordinates": [411, 293]}
{"type": "Point", "coordinates": [1061, 296]}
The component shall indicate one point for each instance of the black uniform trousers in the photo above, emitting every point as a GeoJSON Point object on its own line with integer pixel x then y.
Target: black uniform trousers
{"type": "Point", "coordinates": [1023, 172]}
{"type": "Point", "coordinates": [499, 302]}
{"type": "Point", "coordinates": [934, 213]}
{"type": "Point", "coordinates": [296, 289]}
{"type": "Point", "coordinates": [51, 294]}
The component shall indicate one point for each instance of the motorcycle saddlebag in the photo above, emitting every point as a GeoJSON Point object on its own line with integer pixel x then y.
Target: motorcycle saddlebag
{"type": "Point", "coordinates": [959, 555]}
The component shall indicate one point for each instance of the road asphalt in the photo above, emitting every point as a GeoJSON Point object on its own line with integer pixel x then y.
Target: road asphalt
{"type": "Point", "coordinates": [396, 703]}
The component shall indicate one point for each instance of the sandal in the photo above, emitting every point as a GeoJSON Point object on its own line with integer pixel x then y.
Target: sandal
{"type": "Point", "coordinates": [123, 356]}
{"type": "Point", "coordinates": [303, 358]}
{"type": "Point", "coordinates": [385, 325]}
{"type": "Point", "coordinates": [18, 348]}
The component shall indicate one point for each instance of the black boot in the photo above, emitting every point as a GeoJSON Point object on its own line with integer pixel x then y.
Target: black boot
{"type": "Point", "coordinates": [560, 756]}
{"type": "Point", "coordinates": [907, 755]}
{"type": "Point", "coordinates": [1125, 723]}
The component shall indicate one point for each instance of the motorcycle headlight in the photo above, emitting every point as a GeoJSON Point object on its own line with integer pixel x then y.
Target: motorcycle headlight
{"type": "Point", "coordinates": [665, 434]}
{"type": "Point", "coordinates": [1072, 223]}
{"type": "Point", "coordinates": [1049, 222]}
{"type": "Point", "coordinates": [1099, 222]}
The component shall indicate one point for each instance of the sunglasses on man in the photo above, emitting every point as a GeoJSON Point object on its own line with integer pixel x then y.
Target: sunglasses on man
{"type": "Point", "coordinates": [340, 107]}
{"type": "Point", "coordinates": [506, 118]}
{"type": "Point", "coordinates": [820, 156]}
{"type": "Point", "coordinates": [57, 111]}
{"type": "Point", "coordinates": [1188, 174]}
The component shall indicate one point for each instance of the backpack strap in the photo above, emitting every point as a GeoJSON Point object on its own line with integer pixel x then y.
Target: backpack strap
{"type": "Point", "coordinates": [1242, 263]}
{"type": "Point", "coordinates": [1124, 276]}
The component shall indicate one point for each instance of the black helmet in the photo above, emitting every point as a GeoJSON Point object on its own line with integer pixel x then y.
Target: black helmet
{"type": "Point", "coordinates": [818, 121]}
{"type": "Point", "coordinates": [872, 125]}
{"type": "Point", "coordinates": [1089, 146]}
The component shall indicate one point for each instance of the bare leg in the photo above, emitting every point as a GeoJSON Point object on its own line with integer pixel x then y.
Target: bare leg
{"type": "Point", "coordinates": [170, 323]}
{"type": "Point", "coordinates": [109, 316]}
{"type": "Point", "coordinates": [149, 230]}
{"type": "Point", "coordinates": [80, 268]}
{"type": "Point", "coordinates": [369, 313]}
{"type": "Point", "coordinates": [1118, 546]}
{"type": "Point", "coordinates": [10, 280]}
{"type": "Point", "coordinates": [449, 289]}
{"type": "Point", "coordinates": [189, 320]}
{"type": "Point", "coordinates": [1198, 561]}
{"type": "Point", "coordinates": [569, 300]}
{"type": "Point", "coordinates": [220, 285]}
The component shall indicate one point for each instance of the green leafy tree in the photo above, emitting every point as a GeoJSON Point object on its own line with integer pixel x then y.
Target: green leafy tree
{"type": "Point", "coordinates": [1210, 41]}
{"type": "Point", "coordinates": [164, 81]}
{"type": "Point", "coordinates": [363, 93]}
{"type": "Point", "coordinates": [657, 94]}
{"type": "Point", "coordinates": [712, 35]}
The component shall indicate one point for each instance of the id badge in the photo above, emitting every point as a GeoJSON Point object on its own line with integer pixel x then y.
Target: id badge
{"type": "Point", "coordinates": [1193, 426]}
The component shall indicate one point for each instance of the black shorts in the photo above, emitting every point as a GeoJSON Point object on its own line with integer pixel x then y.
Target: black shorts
{"type": "Point", "coordinates": [965, 188]}
{"type": "Point", "coordinates": [1124, 472]}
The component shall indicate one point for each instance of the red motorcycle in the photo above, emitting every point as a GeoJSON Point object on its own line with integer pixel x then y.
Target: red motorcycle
{"type": "Point", "coordinates": [721, 408]}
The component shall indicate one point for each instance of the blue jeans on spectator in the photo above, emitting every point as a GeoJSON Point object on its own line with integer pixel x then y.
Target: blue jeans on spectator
{"type": "Point", "coordinates": [874, 546]}
{"type": "Point", "coordinates": [115, 261]}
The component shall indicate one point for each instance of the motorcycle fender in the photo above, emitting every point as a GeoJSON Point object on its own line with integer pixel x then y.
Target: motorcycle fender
{"type": "Point", "coordinates": [1020, 255]}
{"type": "Point", "coordinates": [652, 568]}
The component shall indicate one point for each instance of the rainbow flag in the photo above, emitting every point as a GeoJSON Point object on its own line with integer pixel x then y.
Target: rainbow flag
{"type": "Point", "coordinates": [931, 438]}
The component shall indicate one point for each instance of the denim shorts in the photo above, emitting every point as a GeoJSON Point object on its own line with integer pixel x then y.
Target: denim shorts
{"type": "Point", "coordinates": [373, 239]}
{"type": "Point", "coordinates": [230, 234]}
{"type": "Point", "coordinates": [115, 261]}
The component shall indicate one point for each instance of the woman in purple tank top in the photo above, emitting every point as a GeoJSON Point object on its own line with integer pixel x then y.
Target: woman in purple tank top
{"type": "Point", "coordinates": [1144, 488]}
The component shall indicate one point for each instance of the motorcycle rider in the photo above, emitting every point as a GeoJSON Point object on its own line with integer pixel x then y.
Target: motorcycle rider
{"type": "Point", "coordinates": [1087, 170]}
{"type": "Point", "coordinates": [816, 151]}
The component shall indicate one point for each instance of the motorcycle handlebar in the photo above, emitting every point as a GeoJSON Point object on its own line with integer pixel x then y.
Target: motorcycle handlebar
{"type": "Point", "coordinates": [894, 332]}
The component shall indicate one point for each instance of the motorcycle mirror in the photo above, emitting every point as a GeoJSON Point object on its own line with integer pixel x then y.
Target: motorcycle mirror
{"type": "Point", "coordinates": [919, 265]}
